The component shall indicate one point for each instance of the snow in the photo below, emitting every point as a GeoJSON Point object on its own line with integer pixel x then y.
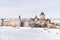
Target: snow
{"type": "Point", "coordinates": [27, 33]}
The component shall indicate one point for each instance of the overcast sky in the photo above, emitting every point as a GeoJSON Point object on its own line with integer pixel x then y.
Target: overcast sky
{"type": "Point", "coordinates": [29, 8]}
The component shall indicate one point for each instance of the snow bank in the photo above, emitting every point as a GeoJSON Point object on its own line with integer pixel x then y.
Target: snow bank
{"type": "Point", "coordinates": [27, 33]}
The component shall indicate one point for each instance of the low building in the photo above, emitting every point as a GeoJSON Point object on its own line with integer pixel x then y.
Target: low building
{"type": "Point", "coordinates": [15, 23]}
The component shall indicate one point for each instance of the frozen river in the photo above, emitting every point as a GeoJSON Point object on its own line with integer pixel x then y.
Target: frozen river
{"type": "Point", "coordinates": [23, 33]}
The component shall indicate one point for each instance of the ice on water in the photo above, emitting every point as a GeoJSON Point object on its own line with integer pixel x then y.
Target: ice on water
{"type": "Point", "coordinates": [27, 33]}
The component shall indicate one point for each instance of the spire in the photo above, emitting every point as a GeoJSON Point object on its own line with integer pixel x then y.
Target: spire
{"type": "Point", "coordinates": [42, 13]}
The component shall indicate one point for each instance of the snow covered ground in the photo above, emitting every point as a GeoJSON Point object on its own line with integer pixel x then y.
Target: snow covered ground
{"type": "Point", "coordinates": [24, 33]}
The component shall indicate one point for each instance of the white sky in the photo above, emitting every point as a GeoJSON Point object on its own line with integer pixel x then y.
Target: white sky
{"type": "Point", "coordinates": [29, 8]}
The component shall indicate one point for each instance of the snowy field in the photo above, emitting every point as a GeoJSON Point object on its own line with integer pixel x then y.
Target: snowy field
{"type": "Point", "coordinates": [26, 33]}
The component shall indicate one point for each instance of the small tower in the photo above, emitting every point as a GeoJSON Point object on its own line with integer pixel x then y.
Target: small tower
{"type": "Point", "coordinates": [19, 20]}
{"type": "Point", "coordinates": [19, 17]}
{"type": "Point", "coordinates": [2, 20]}
{"type": "Point", "coordinates": [35, 17]}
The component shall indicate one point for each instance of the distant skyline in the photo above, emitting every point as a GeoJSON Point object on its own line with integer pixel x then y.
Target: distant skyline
{"type": "Point", "coordinates": [29, 8]}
